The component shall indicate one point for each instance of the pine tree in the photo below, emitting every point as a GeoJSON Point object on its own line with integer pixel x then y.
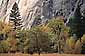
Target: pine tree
{"type": "Point", "coordinates": [75, 21]}
{"type": "Point", "coordinates": [15, 17]}
{"type": "Point", "coordinates": [77, 24]}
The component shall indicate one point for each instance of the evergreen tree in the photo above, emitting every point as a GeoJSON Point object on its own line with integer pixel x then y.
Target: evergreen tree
{"type": "Point", "coordinates": [15, 17]}
{"type": "Point", "coordinates": [75, 20]}
{"type": "Point", "coordinates": [77, 24]}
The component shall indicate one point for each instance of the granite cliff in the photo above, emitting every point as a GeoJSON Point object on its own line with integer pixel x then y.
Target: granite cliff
{"type": "Point", "coordinates": [43, 9]}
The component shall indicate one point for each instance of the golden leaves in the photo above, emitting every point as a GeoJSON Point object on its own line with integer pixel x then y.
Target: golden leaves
{"type": "Point", "coordinates": [83, 38]}
{"type": "Point", "coordinates": [71, 42]}
{"type": "Point", "coordinates": [4, 27]}
{"type": "Point", "coordinates": [45, 28]}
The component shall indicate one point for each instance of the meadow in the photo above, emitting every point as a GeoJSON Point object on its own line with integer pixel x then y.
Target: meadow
{"type": "Point", "coordinates": [50, 54]}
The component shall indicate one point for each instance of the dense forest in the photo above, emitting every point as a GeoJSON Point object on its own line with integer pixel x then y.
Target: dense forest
{"type": "Point", "coordinates": [57, 35]}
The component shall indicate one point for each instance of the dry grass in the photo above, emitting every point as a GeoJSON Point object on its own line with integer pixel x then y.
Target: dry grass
{"type": "Point", "coordinates": [53, 54]}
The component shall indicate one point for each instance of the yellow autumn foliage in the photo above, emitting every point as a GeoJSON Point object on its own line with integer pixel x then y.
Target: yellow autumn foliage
{"type": "Point", "coordinates": [83, 38]}
{"type": "Point", "coordinates": [78, 45]}
{"type": "Point", "coordinates": [5, 27]}
{"type": "Point", "coordinates": [70, 42]}
{"type": "Point", "coordinates": [45, 28]}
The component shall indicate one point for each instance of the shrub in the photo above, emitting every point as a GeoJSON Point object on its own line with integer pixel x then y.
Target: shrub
{"type": "Point", "coordinates": [83, 44]}
{"type": "Point", "coordinates": [12, 44]}
{"type": "Point", "coordinates": [70, 45]}
{"type": "Point", "coordinates": [83, 38]}
{"type": "Point", "coordinates": [78, 47]}
{"type": "Point", "coordinates": [4, 46]}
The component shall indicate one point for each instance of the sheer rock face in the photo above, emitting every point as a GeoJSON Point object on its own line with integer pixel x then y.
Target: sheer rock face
{"type": "Point", "coordinates": [5, 7]}
{"type": "Point", "coordinates": [43, 9]}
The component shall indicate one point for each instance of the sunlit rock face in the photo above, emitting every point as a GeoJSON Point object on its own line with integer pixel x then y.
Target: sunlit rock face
{"type": "Point", "coordinates": [29, 10]}
{"type": "Point", "coordinates": [41, 9]}
{"type": "Point", "coordinates": [5, 7]}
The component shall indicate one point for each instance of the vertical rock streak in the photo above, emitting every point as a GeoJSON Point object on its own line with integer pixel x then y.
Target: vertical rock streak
{"type": "Point", "coordinates": [45, 9]}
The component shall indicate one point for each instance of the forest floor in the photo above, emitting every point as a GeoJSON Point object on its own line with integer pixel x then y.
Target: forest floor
{"type": "Point", "coordinates": [51, 54]}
